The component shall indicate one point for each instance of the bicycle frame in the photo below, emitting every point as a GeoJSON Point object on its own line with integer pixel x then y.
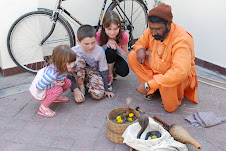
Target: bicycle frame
{"type": "Point", "coordinates": [60, 8]}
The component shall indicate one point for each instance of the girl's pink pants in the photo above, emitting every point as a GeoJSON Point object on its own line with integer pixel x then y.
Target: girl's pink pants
{"type": "Point", "coordinates": [53, 93]}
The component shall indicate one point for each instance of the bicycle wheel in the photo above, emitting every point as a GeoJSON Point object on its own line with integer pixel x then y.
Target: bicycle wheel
{"type": "Point", "coordinates": [136, 12]}
{"type": "Point", "coordinates": [25, 35]}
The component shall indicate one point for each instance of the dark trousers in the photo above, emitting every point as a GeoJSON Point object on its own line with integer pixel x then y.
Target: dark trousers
{"type": "Point", "coordinates": [121, 66]}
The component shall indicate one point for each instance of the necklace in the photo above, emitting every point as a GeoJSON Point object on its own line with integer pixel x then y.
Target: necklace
{"type": "Point", "coordinates": [158, 50]}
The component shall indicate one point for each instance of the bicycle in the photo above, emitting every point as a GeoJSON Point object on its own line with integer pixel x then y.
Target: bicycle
{"type": "Point", "coordinates": [33, 36]}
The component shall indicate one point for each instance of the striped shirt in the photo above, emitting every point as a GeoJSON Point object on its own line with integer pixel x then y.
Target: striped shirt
{"type": "Point", "coordinates": [50, 77]}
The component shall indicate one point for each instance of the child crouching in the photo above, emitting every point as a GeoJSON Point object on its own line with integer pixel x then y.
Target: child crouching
{"type": "Point", "coordinates": [91, 69]}
{"type": "Point", "coordinates": [51, 82]}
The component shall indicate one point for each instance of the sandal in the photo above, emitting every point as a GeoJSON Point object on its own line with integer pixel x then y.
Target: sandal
{"type": "Point", "coordinates": [62, 99]}
{"type": "Point", "coordinates": [43, 112]}
{"type": "Point", "coordinates": [149, 97]}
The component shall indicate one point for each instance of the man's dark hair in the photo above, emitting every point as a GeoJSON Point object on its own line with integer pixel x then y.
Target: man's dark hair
{"type": "Point", "coordinates": [155, 19]}
{"type": "Point", "coordinates": [86, 31]}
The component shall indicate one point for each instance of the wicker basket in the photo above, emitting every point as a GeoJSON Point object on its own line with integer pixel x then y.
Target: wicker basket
{"type": "Point", "coordinates": [116, 138]}
{"type": "Point", "coordinates": [114, 130]}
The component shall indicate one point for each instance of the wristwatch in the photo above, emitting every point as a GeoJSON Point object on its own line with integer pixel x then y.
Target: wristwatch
{"type": "Point", "coordinates": [147, 86]}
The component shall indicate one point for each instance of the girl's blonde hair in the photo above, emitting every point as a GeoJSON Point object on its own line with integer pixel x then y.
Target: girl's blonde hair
{"type": "Point", "coordinates": [110, 17]}
{"type": "Point", "coordinates": [62, 55]}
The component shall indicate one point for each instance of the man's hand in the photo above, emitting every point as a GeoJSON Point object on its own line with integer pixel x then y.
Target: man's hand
{"type": "Point", "coordinates": [78, 95]}
{"type": "Point", "coordinates": [141, 55]}
{"type": "Point", "coordinates": [141, 88]}
{"type": "Point", "coordinates": [109, 94]}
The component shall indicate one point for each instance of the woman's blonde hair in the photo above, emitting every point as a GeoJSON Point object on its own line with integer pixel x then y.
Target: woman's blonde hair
{"type": "Point", "coordinates": [62, 55]}
{"type": "Point", "coordinates": [110, 17]}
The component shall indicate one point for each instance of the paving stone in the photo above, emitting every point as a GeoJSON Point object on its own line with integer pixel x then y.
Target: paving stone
{"type": "Point", "coordinates": [215, 134]}
{"type": "Point", "coordinates": [15, 147]}
{"type": "Point", "coordinates": [155, 109]}
{"type": "Point", "coordinates": [189, 111]}
{"type": "Point", "coordinates": [189, 104]}
{"type": "Point", "coordinates": [54, 149]}
{"type": "Point", "coordinates": [24, 137]}
{"type": "Point", "coordinates": [122, 147]}
{"type": "Point", "coordinates": [9, 111]}
{"type": "Point", "coordinates": [209, 105]}
{"type": "Point", "coordinates": [105, 144]}
{"type": "Point", "coordinates": [84, 145]}
{"type": "Point", "coordinates": [32, 147]}
{"type": "Point", "coordinates": [174, 119]}
{"type": "Point", "coordinates": [4, 101]}
{"type": "Point", "coordinates": [219, 94]}
{"type": "Point", "coordinates": [33, 126]}
{"type": "Point", "coordinates": [3, 144]}
{"type": "Point", "coordinates": [215, 145]}
{"type": "Point", "coordinates": [51, 129]}
{"type": "Point", "coordinates": [8, 134]}
{"type": "Point", "coordinates": [42, 140]}
{"type": "Point", "coordinates": [62, 143]}
{"type": "Point", "coordinates": [16, 124]}
{"type": "Point", "coordinates": [14, 90]}
{"type": "Point", "coordinates": [4, 122]}
{"type": "Point", "coordinates": [73, 133]}
{"type": "Point", "coordinates": [88, 133]}
{"type": "Point", "coordinates": [82, 126]}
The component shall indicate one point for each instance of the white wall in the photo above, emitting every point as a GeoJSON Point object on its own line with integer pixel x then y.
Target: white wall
{"type": "Point", "coordinates": [9, 12]}
{"type": "Point", "coordinates": [86, 11]}
{"type": "Point", "coordinates": [204, 19]}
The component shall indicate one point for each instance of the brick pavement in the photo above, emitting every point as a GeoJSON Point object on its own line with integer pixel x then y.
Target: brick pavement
{"type": "Point", "coordinates": [82, 127]}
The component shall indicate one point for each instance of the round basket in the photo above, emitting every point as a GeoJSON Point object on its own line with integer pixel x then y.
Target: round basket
{"type": "Point", "coordinates": [116, 138]}
{"type": "Point", "coordinates": [119, 128]}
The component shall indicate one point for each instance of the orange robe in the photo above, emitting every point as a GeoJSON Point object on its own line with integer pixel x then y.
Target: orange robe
{"type": "Point", "coordinates": [170, 66]}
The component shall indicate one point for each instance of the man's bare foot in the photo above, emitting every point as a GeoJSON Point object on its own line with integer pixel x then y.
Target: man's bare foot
{"type": "Point", "coordinates": [141, 88]}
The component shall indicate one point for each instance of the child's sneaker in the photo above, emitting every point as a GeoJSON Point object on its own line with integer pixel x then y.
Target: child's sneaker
{"type": "Point", "coordinates": [110, 81]}
{"type": "Point", "coordinates": [109, 87]}
{"type": "Point", "coordinates": [114, 74]}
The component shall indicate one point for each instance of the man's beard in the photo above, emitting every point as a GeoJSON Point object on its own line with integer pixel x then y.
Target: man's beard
{"type": "Point", "coordinates": [161, 38]}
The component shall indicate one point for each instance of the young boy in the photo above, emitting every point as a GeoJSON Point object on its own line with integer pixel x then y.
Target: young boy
{"type": "Point", "coordinates": [91, 69]}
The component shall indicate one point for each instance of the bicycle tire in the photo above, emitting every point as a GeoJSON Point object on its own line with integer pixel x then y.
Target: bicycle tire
{"type": "Point", "coordinates": [140, 10]}
{"type": "Point", "coordinates": [26, 34]}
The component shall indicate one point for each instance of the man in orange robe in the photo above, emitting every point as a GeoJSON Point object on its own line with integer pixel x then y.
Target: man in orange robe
{"type": "Point", "coordinates": [170, 65]}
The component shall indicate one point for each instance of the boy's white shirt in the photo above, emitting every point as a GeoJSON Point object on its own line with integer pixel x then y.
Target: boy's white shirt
{"type": "Point", "coordinates": [96, 57]}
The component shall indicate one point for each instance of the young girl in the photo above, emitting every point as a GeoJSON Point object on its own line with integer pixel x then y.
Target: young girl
{"type": "Point", "coordinates": [52, 79]}
{"type": "Point", "coordinates": [114, 40]}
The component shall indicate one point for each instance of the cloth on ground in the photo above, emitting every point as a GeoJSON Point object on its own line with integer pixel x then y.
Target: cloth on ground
{"type": "Point", "coordinates": [205, 119]}
{"type": "Point", "coordinates": [165, 143]}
